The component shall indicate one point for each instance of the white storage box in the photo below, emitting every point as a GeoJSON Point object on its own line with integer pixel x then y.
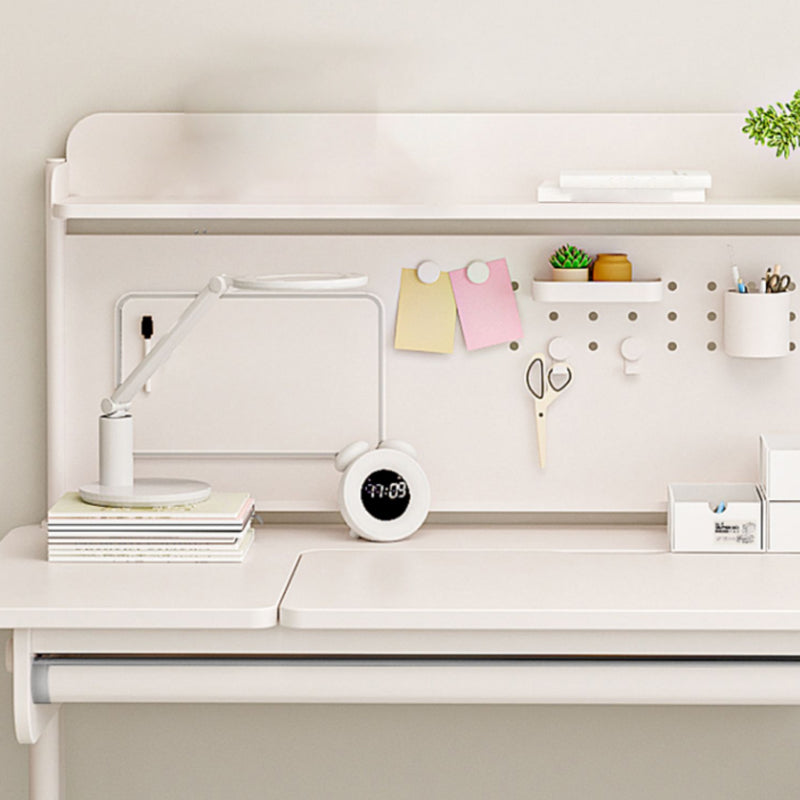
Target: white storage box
{"type": "Point", "coordinates": [783, 527]}
{"type": "Point", "coordinates": [715, 518]}
{"type": "Point", "coordinates": [779, 464]}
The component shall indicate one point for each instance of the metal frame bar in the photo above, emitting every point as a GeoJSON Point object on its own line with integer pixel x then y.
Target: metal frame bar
{"type": "Point", "coordinates": [242, 295]}
{"type": "Point", "coordinates": [56, 176]}
{"type": "Point", "coordinates": [417, 680]}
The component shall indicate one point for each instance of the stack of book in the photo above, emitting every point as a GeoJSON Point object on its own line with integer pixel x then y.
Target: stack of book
{"type": "Point", "coordinates": [665, 186]}
{"type": "Point", "coordinates": [218, 529]}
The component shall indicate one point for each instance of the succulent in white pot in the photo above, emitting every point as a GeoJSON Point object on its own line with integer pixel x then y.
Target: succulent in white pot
{"type": "Point", "coordinates": [570, 263]}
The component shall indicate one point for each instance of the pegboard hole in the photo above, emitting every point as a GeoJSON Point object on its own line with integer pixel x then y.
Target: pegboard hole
{"type": "Point", "coordinates": [792, 316]}
{"type": "Point", "coordinates": [553, 315]}
{"type": "Point", "coordinates": [513, 346]}
{"type": "Point", "coordinates": [711, 286]}
{"type": "Point", "coordinates": [792, 345]}
{"type": "Point", "coordinates": [711, 316]}
{"type": "Point", "coordinates": [514, 285]}
{"type": "Point", "coordinates": [672, 346]}
{"type": "Point", "coordinates": [672, 316]}
{"type": "Point", "coordinates": [593, 346]}
{"type": "Point", "coordinates": [593, 315]}
{"type": "Point", "coordinates": [672, 286]}
{"type": "Point", "coordinates": [633, 316]}
{"type": "Point", "coordinates": [711, 346]}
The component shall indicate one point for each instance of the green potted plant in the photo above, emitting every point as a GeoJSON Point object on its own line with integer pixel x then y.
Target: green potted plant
{"type": "Point", "coordinates": [778, 128]}
{"type": "Point", "coordinates": [570, 264]}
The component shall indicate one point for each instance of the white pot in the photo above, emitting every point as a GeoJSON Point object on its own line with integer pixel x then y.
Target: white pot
{"type": "Point", "coordinates": [565, 274]}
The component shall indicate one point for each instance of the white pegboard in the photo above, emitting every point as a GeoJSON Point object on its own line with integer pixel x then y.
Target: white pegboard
{"type": "Point", "coordinates": [614, 441]}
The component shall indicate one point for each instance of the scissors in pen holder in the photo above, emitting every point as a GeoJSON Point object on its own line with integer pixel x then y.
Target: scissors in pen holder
{"type": "Point", "coordinates": [777, 283]}
{"type": "Point", "coordinates": [545, 384]}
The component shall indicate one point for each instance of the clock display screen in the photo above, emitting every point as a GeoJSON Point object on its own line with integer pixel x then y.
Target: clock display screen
{"type": "Point", "coordinates": [385, 494]}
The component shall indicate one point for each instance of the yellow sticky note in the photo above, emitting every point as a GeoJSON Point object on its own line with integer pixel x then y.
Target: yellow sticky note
{"type": "Point", "coordinates": [426, 314]}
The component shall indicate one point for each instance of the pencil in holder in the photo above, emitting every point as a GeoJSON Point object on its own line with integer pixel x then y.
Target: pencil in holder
{"type": "Point", "coordinates": [756, 325]}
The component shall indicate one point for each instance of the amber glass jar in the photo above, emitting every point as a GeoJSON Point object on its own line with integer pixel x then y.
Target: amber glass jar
{"type": "Point", "coordinates": [612, 267]}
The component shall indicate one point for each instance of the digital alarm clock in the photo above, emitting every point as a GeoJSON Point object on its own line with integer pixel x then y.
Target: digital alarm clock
{"type": "Point", "coordinates": [384, 495]}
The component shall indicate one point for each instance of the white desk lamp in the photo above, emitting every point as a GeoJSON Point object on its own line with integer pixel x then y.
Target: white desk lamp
{"type": "Point", "coordinates": [116, 486]}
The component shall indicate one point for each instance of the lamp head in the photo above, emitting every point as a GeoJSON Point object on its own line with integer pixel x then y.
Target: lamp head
{"type": "Point", "coordinates": [308, 282]}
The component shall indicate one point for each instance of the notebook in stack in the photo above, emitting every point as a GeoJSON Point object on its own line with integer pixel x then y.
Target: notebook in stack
{"type": "Point", "coordinates": [218, 529]}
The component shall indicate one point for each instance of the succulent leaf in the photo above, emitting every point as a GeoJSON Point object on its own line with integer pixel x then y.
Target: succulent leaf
{"type": "Point", "coordinates": [569, 257]}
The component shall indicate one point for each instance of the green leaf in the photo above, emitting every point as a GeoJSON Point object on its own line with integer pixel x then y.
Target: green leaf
{"type": "Point", "coordinates": [779, 129]}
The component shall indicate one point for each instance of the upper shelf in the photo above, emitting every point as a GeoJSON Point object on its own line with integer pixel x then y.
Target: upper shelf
{"type": "Point", "coordinates": [412, 172]}
{"type": "Point", "coordinates": [728, 218]}
{"type": "Point", "coordinates": [143, 208]}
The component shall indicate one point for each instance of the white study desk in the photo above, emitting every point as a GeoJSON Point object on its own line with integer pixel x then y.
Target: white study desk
{"type": "Point", "coordinates": [455, 614]}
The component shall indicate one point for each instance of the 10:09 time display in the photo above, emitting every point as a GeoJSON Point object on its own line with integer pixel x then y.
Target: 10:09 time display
{"type": "Point", "coordinates": [385, 494]}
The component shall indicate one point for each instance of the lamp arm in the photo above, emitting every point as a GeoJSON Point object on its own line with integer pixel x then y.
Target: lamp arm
{"type": "Point", "coordinates": [123, 395]}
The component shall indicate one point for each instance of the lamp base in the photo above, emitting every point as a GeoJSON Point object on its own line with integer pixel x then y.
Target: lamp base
{"type": "Point", "coordinates": [146, 493]}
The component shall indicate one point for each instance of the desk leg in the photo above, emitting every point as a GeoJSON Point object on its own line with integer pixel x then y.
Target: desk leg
{"type": "Point", "coordinates": [36, 724]}
{"type": "Point", "coordinates": [45, 764]}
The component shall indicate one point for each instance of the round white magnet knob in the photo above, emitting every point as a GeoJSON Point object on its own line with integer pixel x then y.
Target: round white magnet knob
{"type": "Point", "coordinates": [347, 455]}
{"type": "Point", "coordinates": [478, 272]}
{"type": "Point", "coordinates": [559, 349]}
{"type": "Point", "coordinates": [428, 271]}
{"type": "Point", "coordinates": [632, 348]}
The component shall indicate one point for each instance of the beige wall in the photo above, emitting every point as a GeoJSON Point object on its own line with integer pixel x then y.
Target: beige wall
{"type": "Point", "coordinates": [62, 60]}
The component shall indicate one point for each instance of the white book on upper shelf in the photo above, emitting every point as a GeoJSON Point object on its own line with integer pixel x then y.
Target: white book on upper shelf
{"type": "Point", "coordinates": [550, 192]}
{"type": "Point", "coordinates": [635, 179]}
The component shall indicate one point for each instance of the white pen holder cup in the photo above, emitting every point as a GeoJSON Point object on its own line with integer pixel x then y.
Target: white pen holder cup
{"type": "Point", "coordinates": [756, 325]}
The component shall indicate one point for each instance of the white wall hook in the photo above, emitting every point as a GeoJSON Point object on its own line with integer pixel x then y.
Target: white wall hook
{"type": "Point", "coordinates": [632, 349]}
{"type": "Point", "coordinates": [478, 272]}
{"type": "Point", "coordinates": [428, 271]}
{"type": "Point", "coordinates": [559, 349]}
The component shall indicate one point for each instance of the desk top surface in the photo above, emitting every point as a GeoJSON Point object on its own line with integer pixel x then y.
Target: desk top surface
{"type": "Point", "coordinates": [534, 590]}
{"type": "Point", "coordinates": [36, 593]}
{"type": "Point", "coordinates": [457, 578]}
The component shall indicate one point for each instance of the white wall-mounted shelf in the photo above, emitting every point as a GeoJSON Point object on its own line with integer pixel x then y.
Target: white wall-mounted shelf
{"type": "Point", "coordinates": [739, 217]}
{"type": "Point", "coordinates": [401, 173]}
{"type": "Point", "coordinates": [597, 291]}
{"type": "Point", "coordinates": [139, 215]}
{"type": "Point", "coordinates": [74, 207]}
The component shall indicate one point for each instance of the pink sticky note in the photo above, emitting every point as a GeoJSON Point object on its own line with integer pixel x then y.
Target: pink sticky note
{"type": "Point", "coordinates": [487, 311]}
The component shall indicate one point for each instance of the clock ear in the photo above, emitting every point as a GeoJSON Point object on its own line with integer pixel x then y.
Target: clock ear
{"type": "Point", "coordinates": [347, 455]}
{"type": "Point", "coordinates": [398, 444]}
